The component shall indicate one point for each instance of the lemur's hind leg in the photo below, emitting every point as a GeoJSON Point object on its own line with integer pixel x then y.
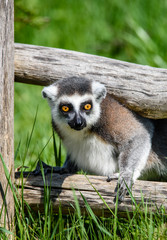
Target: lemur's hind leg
{"type": "Point", "coordinates": [68, 167]}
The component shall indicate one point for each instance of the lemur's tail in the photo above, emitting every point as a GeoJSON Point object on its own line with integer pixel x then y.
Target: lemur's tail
{"type": "Point", "coordinates": [159, 141]}
{"type": "Point", "coordinates": [156, 167]}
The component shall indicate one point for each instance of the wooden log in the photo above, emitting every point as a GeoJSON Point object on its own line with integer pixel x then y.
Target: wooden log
{"type": "Point", "coordinates": [141, 88]}
{"type": "Point", "coordinates": [6, 109]}
{"type": "Point", "coordinates": [154, 194]}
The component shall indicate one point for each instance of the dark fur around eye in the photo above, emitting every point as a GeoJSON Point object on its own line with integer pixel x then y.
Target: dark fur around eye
{"type": "Point", "coordinates": [69, 105]}
{"type": "Point", "coordinates": [82, 107]}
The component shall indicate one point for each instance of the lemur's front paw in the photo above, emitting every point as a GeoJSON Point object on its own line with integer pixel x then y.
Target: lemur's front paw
{"type": "Point", "coordinates": [124, 183]}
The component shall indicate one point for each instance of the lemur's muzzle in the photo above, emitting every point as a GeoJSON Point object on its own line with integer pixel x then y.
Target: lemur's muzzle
{"type": "Point", "coordinates": [77, 122]}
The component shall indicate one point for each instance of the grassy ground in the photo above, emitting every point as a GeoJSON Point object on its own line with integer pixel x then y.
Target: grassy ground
{"type": "Point", "coordinates": [141, 224]}
{"type": "Point", "coordinates": [133, 31]}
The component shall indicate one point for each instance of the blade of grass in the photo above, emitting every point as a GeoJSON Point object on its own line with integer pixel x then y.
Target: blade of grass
{"type": "Point", "coordinates": [17, 150]}
{"type": "Point", "coordinates": [80, 219]}
{"type": "Point", "coordinates": [100, 196]}
{"type": "Point", "coordinates": [105, 231]}
{"type": "Point", "coordinates": [57, 151]}
{"type": "Point", "coordinates": [29, 138]}
{"type": "Point", "coordinates": [60, 151]}
{"type": "Point", "coordinates": [39, 155]}
{"type": "Point", "coordinates": [18, 206]}
{"type": "Point", "coordinates": [55, 148]}
{"type": "Point", "coordinates": [7, 174]}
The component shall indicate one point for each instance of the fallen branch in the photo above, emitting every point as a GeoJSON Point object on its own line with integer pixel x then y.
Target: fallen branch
{"type": "Point", "coordinates": [153, 193]}
{"type": "Point", "coordinates": [141, 88]}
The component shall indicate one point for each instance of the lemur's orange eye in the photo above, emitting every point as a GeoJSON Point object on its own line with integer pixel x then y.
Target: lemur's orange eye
{"type": "Point", "coordinates": [65, 108]}
{"type": "Point", "coordinates": [87, 106]}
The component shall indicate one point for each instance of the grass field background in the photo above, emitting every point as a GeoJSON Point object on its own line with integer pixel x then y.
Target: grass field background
{"type": "Point", "coordinates": [133, 31]}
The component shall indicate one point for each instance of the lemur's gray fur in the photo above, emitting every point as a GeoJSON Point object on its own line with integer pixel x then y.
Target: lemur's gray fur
{"type": "Point", "coordinates": [102, 136]}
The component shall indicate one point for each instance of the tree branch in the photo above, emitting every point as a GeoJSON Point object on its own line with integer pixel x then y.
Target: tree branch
{"type": "Point", "coordinates": [141, 88]}
{"type": "Point", "coordinates": [152, 193]}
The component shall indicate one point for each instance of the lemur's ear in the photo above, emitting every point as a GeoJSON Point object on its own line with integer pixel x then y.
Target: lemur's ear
{"type": "Point", "coordinates": [50, 92]}
{"type": "Point", "coordinates": [99, 91]}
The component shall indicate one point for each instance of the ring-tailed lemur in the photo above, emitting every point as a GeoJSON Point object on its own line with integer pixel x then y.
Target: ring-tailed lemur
{"type": "Point", "coordinates": [102, 136]}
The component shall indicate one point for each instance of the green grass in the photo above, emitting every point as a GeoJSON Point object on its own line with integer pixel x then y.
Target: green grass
{"type": "Point", "coordinates": [31, 225]}
{"type": "Point", "coordinates": [127, 30]}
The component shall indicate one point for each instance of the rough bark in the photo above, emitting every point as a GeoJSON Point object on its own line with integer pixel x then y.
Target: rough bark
{"type": "Point", "coordinates": [141, 88]}
{"type": "Point", "coordinates": [6, 109]}
{"type": "Point", "coordinates": [154, 194]}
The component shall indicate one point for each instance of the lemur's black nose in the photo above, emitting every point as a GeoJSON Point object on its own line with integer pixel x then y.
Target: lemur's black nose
{"type": "Point", "coordinates": [78, 122]}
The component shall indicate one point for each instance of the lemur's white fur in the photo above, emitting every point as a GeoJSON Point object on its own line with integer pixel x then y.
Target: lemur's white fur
{"type": "Point", "coordinates": [89, 152]}
{"type": "Point", "coordinates": [50, 91]}
{"type": "Point", "coordinates": [98, 88]}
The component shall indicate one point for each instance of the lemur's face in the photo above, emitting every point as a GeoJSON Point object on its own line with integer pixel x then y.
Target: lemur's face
{"type": "Point", "coordinates": [76, 111]}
